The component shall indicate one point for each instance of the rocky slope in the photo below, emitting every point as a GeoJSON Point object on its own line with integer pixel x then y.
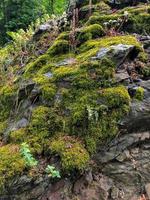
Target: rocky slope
{"type": "Point", "coordinates": [77, 97]}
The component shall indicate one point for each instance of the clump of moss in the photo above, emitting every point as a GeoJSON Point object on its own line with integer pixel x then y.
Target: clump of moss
{"type": "Point", "coordinates": [139, 95]}
{"type": "Point", "coordinates": [33, 67]}
{"type": "Point", "coordinates": [65, 71]}
{"type": "Point", "coordinates": [7, 94]}
{"type": "Point", "coordinates": [59, 47]}
{"type": "Point", "coordinates": [44, 119]}
{"type": "Point", "coordinates": [90, 144]}
{"type": "Point", "coordinates": [43, 125]}
{"type": "Point", "coordinates": [91, 32]}
{"type": "Point", "coordinates": [138, 23]}
{"type": "Point", "coordinates": [146, 72]}
{"type": "Point", "coordinates": [100, 19]}
{"type": "Point", "coordinates": [3, 126]}
{"type": "Point", "coordinates": [115, 97]}
{"type": "Point", "coordinates": [72, 152]}
{"type": "Point", "coordinates": [48, 92]}
{"type": "Point", "coordinates": [11, 164]}
{"type": "Point", "coordinates": [143, 56]}
{"type": "Point", "coordinates": [63, 36]}
{"type": "Point", "coordinates": [18, 136]}
{"type": "Point", "coordinates": [109, 41]}
{"type": "Point", "coordinates": [94, 74]}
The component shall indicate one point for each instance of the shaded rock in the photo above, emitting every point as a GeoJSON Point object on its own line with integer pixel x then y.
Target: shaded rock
{"type": "Point", "coordinates": [122, 76]}
{"type": "Point", "coordinates": [139, 115]}
{"type": "Point", "coordinates": [43, 28]}
{"type": "Point", "coordinates": [21, 124]}
{"type": "Point", "coordinates": [25, 90]}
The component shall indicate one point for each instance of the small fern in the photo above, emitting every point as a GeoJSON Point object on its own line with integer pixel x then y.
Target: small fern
{"type": "Point", "coordinates": [52, 172]}
{"type": "Point", "coordinates": [26, 153]}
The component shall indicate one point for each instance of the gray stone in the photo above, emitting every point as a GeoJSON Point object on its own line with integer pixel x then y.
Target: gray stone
{"type": "Point", "coordinates": [121, 76]}
{"type": "Point", "coordinates": [147, 189]}
{"type": "Point", "coordinates": [22, 123]}
{"type": "Point", "coordinates": [48, 75]}
{"type": "Point", "coordinates": [118, 53]}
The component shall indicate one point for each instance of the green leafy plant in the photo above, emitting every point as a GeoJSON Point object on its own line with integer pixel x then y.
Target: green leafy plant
{"type": "Point", "coordinates": [52, 172]}
{"type": "Point", "coordinates": [26, 153]}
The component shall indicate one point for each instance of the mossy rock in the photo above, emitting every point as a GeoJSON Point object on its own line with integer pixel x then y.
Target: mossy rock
{"type": "Point", "coordinates": [71, 151]}
{"type": "Point", "coordinates": [59, 47]}
{"type": "Point", "coordinates": [45, 122]}
{"type": "Point", "coordinates": [101, 19]}
{"type": "Point", "coordinates": [91, 47]}
{"type": "Point", "coordinates": [90, 32]}
{"type": "Point", "coordinates": [35, 66]}
{"type": "Point", "coordinates": [138, 23]}
{"type": "Point", "coordinates": [7, 94]}
{"type": "Point", "coordinates": [11, 164]}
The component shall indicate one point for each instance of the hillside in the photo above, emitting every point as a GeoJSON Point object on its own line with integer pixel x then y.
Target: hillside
{"type": "Point", "coordinates": [75, 106]}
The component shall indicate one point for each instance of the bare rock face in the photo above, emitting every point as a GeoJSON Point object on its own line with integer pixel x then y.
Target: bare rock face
{"type": "Point", "coordinates": [139, 116]}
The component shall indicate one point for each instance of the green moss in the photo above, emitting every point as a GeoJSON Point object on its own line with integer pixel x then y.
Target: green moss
{"type": "Point", "coordinates": [44, 119]}
{"type": "Point", "coordinates": [11, 164]}
{"type": "Point", "coordinates": [63, 36]}
{"type": "Point", "coordinates": [48, 91]}
{"type": "Point", "coordinates": [90, 144]}
{"type": "Point", "coordinates": [94, 74]}
{"type": "Point", "coordinates": [138, 23]}
{"type": "Point", "coordinates": [136, 10]}
{"type": "Point", "coordinates": [18, 136]}
{"type": "Point", "coordinates": [109, 41]}
{"type": "Point", "coordinates": [91, 47]}
{"type": "Point", "coordinates": [7, 94]}
{"type": "Point", "coordinates": [90, 32]}
{"type": "Point", "coordinates": [146, 71]}
{"type": "Point", "coordinates": [65, 71]}
{"type": "Point", "coordinates": [115, 97]}
{"type": "Point", "coordinates": [139, 94]}
{"type": "Point", "coordinates": [72, 152]}
{"type": "Point", "coordinates": [143, 56]}
{"type": "Point", "coordinates": [43, 125]}
{"type": "Point", "coordinates": [59, 47]}
{"type": "Point", "coordinates": [100, 19]}
{"type": "Point", "coordinates": [3, 126]}
{"type": "Point", "coordinates": [98, 8]}
{"type": "Point", "coordinates": [33, 67]}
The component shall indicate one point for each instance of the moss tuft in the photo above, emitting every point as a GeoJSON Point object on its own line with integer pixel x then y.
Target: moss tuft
{"type": "Point", "coordinates": [59, 47]}
{"type": "Point", "coordinates": [7, 94]}
{"type": "Point", "coordinates": [139, 94]}
{"type": "Point", "coordinates": [72, 153]}
{"type": "Point", "coordinates": [91, 32]}
{"type": "Point", "coordinates": [33, 67]}
{"type": "Point", "coordinates": [11, 164]}
{"type": "Point", "coordinates": [115, 97]}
